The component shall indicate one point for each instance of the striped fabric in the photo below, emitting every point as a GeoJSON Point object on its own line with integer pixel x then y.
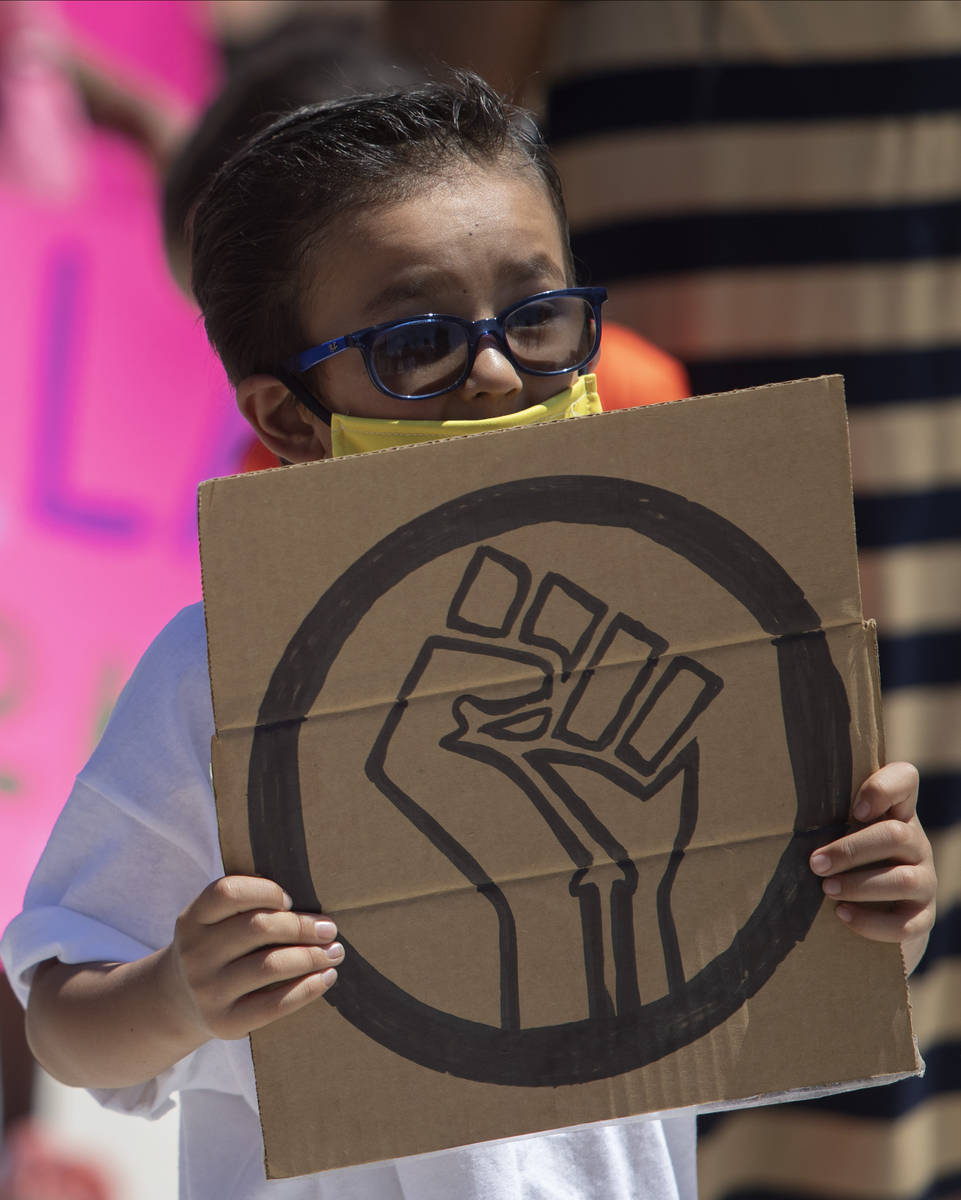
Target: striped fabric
{"type": "Point", "coordinates": [772, 189]}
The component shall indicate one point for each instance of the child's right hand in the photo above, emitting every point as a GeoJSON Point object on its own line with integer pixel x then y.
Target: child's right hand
{"type": "Point", "coordinates": [240, 958]}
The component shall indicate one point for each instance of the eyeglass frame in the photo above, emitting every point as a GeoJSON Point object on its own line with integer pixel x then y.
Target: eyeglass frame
{"type": "Point", "coordinates": [362, 340]}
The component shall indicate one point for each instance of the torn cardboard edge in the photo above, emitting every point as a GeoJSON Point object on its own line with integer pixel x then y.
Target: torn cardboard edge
{"type": "Point", "coordinates": [793, 1096]}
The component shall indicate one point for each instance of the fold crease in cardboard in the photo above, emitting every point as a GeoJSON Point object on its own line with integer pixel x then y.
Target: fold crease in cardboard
{"type": "Point", "coordinates": [550, 721]}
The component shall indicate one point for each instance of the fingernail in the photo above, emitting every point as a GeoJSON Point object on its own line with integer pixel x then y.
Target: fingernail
{"type": "Point", "coordinates": [325, 930]}
{"type": "Point", "coordinates": [845, 912]}
{"type": "Point", "coordinates": [329, 976]}
{"type": "Point", "coordinates": [288, 902]}
{"type": "Point", "coordinates": [831, 886]}
{"type": "Point", "coordinates": [820, 863]}
{"type": "Point", "coordinates": [862, 810]}
{"type": "Point", "coordinates": [335, 952]}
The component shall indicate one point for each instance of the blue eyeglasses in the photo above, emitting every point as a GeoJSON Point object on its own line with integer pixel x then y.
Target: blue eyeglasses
{"type": "Point", "coordinates": [420, 357]}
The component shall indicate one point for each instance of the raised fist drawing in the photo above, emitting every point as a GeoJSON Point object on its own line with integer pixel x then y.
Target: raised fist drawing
{"type": "Point", "coordinates": [581, 753]}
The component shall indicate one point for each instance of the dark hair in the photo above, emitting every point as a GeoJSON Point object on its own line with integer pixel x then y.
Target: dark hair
{"type": "Point", "coordinates": [266, 210]}
{"type": "Point", "coordinates": [302, 63]}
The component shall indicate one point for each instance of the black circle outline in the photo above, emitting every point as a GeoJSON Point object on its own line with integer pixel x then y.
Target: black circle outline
{"type": "Point", "coordinates": [816, 718]}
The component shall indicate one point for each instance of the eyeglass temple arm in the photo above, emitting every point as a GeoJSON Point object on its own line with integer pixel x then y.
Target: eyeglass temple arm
{"type": "Point", "coordinates": [299, 390]}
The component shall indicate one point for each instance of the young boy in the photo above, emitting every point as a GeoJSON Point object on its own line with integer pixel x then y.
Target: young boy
{"type": "Point", "coordinates": [317, 251]}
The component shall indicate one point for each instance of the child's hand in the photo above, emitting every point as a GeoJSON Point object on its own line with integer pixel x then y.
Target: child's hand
{"type": "Point", "coordinates": [240, 958]}
{"type": "Point", "coordinates": [882, 874]}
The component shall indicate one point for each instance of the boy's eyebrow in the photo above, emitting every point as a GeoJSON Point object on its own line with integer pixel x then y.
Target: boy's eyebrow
{"type": "Point", "coordinates": [419, 285]}
{"type": "Point", "coordinates": [395, 292]}
{"type": "Point", "coordinates": [537, 267]}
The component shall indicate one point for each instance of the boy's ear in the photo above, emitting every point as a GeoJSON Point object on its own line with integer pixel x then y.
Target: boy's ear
{"type": "Point", "coordinates": [283, 425]}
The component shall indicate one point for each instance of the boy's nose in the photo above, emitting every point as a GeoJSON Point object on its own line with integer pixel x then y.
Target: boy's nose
{"type": "Point", "coordinates": [491, 388]}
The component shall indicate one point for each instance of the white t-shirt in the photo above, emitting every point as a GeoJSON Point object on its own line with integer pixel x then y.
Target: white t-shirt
{"type": "Point", "coordinates": [136, 843]}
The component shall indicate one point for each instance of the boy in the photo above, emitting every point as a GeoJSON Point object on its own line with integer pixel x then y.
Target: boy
{"type": "Point", "coordinates": [317, 252]}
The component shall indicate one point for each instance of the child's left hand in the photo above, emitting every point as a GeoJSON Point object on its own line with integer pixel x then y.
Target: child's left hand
{"type": "Point", "coordinates": [882, 874]}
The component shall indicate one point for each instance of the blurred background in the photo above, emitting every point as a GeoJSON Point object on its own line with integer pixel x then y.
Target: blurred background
{"type": "Point", "coordinates": [770, 189]}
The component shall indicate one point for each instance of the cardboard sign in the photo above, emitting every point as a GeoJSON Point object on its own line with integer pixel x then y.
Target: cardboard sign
{"type": "Point", "coordinates": [550, 721]}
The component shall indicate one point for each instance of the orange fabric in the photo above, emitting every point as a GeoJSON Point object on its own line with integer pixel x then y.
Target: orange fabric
{"type": "Point", "coordinates": [258, 458]}
{"type": "Point", "coordinates": [630, 372]}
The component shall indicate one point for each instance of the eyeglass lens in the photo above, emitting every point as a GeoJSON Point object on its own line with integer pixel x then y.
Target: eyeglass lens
{"type": "Point", "coordinates": [550, 334]}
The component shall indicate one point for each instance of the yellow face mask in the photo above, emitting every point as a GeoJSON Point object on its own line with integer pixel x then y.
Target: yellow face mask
{"type": "Point", "coordinates": [354, 435]}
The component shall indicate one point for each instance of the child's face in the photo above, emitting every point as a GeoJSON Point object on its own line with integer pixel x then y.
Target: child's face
{"type": "Point", "coordinates": [467, 247]}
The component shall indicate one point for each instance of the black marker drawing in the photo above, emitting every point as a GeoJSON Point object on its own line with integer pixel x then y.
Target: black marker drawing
{"type": "Point", "coordinates": [534, 738]}
{"type": "Point", "coordinates": [560, 720]}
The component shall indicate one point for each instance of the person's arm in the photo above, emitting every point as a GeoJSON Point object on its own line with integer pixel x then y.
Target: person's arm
{"type": "Point", "coordinates": [155, 121]}
{"type": "Point", "coordinates": [882, 875]}
{"type": "Point", "coordinates": [239, 959]}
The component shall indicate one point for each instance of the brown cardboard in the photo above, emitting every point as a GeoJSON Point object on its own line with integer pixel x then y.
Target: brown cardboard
{"type": "Point", "coordinates": [549, 721]}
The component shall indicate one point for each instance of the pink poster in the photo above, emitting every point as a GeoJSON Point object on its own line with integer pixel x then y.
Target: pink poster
{"type": "Point", "coordinates": [114, 409]}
